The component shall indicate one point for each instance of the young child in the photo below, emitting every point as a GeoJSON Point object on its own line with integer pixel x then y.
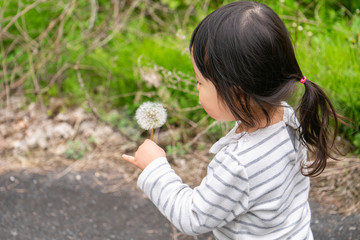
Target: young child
{"type": "Point", "coordinates": [257, 185]}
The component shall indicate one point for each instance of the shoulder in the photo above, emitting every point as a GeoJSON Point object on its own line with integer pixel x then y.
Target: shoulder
{"type": "Point", "coordinates": [289, 117]}
{"type": "Point", "coordinates": [261, 144]}
{"type": "Point", "coordinates": [227, 165]}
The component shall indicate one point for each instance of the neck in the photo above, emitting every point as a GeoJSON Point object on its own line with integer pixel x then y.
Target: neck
{"type": "Point", "coordinates": [275, 116]}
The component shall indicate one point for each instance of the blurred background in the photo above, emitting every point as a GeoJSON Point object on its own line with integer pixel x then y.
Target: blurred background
{"type": "Point", "coordinates": [73, 73]}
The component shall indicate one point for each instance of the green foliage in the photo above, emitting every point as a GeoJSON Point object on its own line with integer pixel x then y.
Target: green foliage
{"type": "Point", "coordinates": [356, 141]}
{"type": "Point", "coordinates": [47, 49]}
{"type": "Point", "coordinates": [176, 150]}
{"type": "Point", "coordinates": [330, 56]}
{"type": "Point", "coordinates": [76, 150]}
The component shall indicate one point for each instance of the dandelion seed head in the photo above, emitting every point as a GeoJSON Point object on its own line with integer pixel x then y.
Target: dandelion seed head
{"type": "Point", "coordinates": [151, 115]}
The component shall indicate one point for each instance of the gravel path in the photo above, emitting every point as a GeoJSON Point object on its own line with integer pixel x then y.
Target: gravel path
{"type": "Point", "coordinates": [76, 206]}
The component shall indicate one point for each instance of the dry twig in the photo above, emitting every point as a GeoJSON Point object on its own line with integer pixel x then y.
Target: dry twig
{"type": "Point", "coordinates": [17, 16]}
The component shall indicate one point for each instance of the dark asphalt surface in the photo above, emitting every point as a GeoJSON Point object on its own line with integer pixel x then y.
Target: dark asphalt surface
{"type": "Point", "coordinates": [42, 206]}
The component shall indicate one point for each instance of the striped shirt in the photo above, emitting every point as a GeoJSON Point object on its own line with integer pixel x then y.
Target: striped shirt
{"type": "Point", "coordinates": [253, 189]}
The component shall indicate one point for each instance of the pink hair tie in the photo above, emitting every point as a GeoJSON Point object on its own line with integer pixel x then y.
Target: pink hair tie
{"type": "Point", "coordinates": [303, 80]}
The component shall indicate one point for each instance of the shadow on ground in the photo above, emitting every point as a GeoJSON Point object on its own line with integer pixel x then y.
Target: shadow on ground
{"type": "Point", "coordinates": [76, 206]}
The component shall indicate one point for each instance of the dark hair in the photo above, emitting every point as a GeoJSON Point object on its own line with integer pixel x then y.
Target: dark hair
{"type": "Point", "coordinates": [245, 50]}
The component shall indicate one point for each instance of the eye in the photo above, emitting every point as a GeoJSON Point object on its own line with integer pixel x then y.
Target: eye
{"type": "Point", "coordinates": [197, 82]}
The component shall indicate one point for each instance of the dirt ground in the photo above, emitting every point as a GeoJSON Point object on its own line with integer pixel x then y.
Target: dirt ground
{"type": "Point", "coordinates": [62, 177]}
{"type": "Point", "coordinates": [81, 205]}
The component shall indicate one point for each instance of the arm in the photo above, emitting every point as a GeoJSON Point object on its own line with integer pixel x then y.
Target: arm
{"type": "Point", "coordinates": [221, 197]}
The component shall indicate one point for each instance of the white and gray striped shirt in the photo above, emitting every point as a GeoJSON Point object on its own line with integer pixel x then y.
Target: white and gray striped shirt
{"type": "Point", "coordinates": [254, 188]}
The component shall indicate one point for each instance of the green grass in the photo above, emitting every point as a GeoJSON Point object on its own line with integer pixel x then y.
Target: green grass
{"type": "Point", "coordinates": [325, 34]}
{"type": "Point", "coordinates": [332, 60]}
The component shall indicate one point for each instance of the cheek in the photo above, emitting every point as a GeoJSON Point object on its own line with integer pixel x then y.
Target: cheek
{"type": "Point", "coordinates": [215, 109]}
{"type": "Point", "coordinates": [209, 103]}
{"type": "Point", "coordinates": [202, 99]}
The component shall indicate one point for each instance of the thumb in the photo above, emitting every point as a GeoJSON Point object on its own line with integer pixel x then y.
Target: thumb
{"type": "Point", "coordinates": [128, 158]}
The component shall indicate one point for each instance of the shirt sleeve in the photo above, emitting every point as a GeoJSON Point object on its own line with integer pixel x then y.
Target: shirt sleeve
{"type": "Point", "coordinates": [221, 197]}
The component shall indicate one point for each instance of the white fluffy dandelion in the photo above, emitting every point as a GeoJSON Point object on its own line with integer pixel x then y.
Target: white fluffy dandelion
{"type": "Point", "coordinates": [151, 115]}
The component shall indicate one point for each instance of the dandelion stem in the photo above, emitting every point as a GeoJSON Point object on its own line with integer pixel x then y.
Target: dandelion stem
{"type": "Point", "coordinates": [152, 134]}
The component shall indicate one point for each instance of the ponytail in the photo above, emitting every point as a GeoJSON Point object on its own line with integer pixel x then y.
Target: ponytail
{"type": "Point", "coordinates": [315, 111]}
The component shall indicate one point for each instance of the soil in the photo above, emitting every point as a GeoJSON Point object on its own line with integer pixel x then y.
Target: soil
{"type": "Point", "coordinates": [79, 205]}
{"type": "Point", "coordinates": [62, 177]}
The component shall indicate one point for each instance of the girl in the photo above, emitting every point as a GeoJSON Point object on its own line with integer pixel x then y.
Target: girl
{"type": "Point", "coordinates": [257, 185]}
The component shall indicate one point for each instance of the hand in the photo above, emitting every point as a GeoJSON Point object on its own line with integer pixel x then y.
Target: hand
{"type": "Point", "coordinates": [146, 153]}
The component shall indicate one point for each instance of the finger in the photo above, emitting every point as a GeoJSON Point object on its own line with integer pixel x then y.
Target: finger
{"type": "Point", "coordinates": [128, 158]}
{"type": "Point", "coordinates": [148, 140]}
